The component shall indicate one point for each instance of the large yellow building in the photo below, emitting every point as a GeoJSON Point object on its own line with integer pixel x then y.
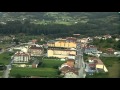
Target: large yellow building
{"type": "Point", "coordinates": [62, 44]}
{"type": "Point", "coordinates": [60, 53]}
{"type": "Point", "coordinates": [62, 48]}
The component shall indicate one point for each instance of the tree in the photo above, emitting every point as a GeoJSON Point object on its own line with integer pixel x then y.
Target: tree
{"type": "Point", "coordinates": [18, 76]}
{"type": "Point", "coordinates": [16, 41]}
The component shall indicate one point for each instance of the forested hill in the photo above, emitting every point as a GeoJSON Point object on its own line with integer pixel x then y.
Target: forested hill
{"type": "Point", "coordinates": [59, 23]}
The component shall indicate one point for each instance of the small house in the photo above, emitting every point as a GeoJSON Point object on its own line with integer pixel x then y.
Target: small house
{"type": "Point", "coordinates": [35, 50]}
{"type": "Point", "coordinates": [90, 49]}
{"type": "Point", "coordinates": [35, 63]}
{"type": "Point", "coordinates": [21, 57]}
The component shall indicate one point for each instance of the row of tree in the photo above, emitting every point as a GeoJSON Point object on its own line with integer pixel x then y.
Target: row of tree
{"type": "Point", "coordinates": [109, 43]}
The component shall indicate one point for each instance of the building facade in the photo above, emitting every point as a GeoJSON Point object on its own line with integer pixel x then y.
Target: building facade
{"type": "Point", "coordinates": [21, 57]}
{"type": "Point", "coordinates": [60, 53]}
{"type": "Point", "coordinates": [35, 50]}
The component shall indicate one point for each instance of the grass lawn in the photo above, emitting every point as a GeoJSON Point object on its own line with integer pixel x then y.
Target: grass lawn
{"type": "Point", "coordinates": [113, 66]}
{"type": "Point", "coordinates": [109, 61]}
{"type": "Point", "coordinates": [98, 75]}
{"type": "Point", "coordinates": [48, 68]}
{"type": "Point", "coordinates": [3, 45]}
{"type": "Point", "coordinates": [5, 57]}
{"type": "Point", "coordinates": [1, 73]}
{"type": "Point", "coordinates": [114, 71]}
{"type": "Point", "coordinates": [41, 72]}
{"type": "Point", "coordinates": [51, 63]}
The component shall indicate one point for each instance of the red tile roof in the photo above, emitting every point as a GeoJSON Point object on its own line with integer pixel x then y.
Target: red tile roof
{"type": "Point", "coordinates": [34, 47]}
{"type": "Point", "coordinates": [21, 54]}
{"type": "Point", "coordinates": [91, 65]}
{"type": "Point", "coordinates": [71, 39]}
{"type": "Point", "coordinates": [68, 69]}
{"type": "Point", "coordinates": [96, 60]}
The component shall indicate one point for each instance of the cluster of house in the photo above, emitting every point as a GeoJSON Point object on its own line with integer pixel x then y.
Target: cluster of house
{"type": "Point", "coordinates": [91, 50]}
{"type": "Point", "coordinates": [11, 37]}
{"type": "Point", "coordinates": [104, 37]}
{"type": "Point", "coordinates": [94, 64]}
{"type": "Point", "coordinates": [64, 49]}
{"type": "Point", "coordinates": [68, 69]}
{"type": "Point", "coordinates": [22, 58]}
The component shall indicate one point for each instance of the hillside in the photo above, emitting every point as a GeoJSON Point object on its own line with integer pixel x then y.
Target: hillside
{"type": "Point", "coordinates": [70, 17]}
{"type": "Point", "coordinates": [90, 23]}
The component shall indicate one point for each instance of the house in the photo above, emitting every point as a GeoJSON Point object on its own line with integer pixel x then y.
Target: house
{"type": "Point", "coordinates": [71, 39]}
{"type": "Point", "coordinates": [84, 40]}
{"type": "Point", "coordinates": [68, 70]}
{"type": "Point", "coordinates": [70, 62]}
{"type": "Point", "coordinates": [106, 37]}
{"type": "Point", "coordinates": [110, 50]}
{"type": "Point", "coordinates": [83, 45]}
{"type": "Point", "coordinates": [90, 49]}
{"type": "Point", "coordinates": [6, 38]}
{"type": "Point", "coordinates": [60, 52]}
{"type": "Point", "coordinates": [98, 37]}
{"type": "Point", "coordinates": [117, 53]}
{"type": "Point", "coordinates": [20, 65]}
{"type": "Point", "coordinates": [32, 41]}
{"type": "Point", "coordinates": [21, 48]}
{"type": "Point", "coordinates": [71, 56]}
{"type": "Point", "coordinates": [90, 39]}
{"type": "Point", "coordinates": [98, 64]}
{"type": "Point", "coordinates": [90, 67]}
{"type": "Point", "coordinates": [45, 45]}
{"type": "Point", "coordinates": [65, 69]}
{"type": "Point", "coordinates": [70, 75]}
{"type": "Point", "coordinates": [21, 57]}
{"type": "Point", "coordinates": [35, 50]}
{"type": "Point", "coordinates": [117, 39]}
{"type": "Point", "coordinates": [35, 63]}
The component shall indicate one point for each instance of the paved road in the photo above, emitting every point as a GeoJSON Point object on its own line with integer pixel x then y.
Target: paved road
{"type": "Point", "coordinates": [80, 62]}
{"type": "Point", "coordinates": [7, 71]}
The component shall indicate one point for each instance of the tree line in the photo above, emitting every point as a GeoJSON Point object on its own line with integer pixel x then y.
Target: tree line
{"type": "Point", "coordinates": [91, 28]}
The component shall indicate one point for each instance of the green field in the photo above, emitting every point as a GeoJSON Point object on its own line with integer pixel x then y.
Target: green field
{"type": "Point", "coordinates": [49, 68]}
{"type": "Point", "coordinates": [114, 71]}
{"type": "Point", "coordinates": [5, 57]}
{"type": "Point", "coordinates": [41, 72]}
{"type": "Point", "coordinates": [1, 73]}
{"type": "Point", "coordinates": [98, 75]}
{"type": "Point", "coordinates": [109, 61]}
{"type": "Point", "coordinates": [113, 66]}
{"type": "Point", "coordinates": [51, 63]}
{"type": "Point", "coordinates": [4, 45]}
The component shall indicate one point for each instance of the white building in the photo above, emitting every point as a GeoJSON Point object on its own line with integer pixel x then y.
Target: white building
{"type": "Point", "coordinates": [117, 39]}
{"type": "Point", "coordinates": [117, 53]}
{"type": "Point", "coordinates": [21, 57]}
{"type": "Point", "coordinates": [70, 75]}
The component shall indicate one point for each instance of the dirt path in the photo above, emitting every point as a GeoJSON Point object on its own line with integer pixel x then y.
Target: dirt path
{"type": "Point", "coordinates": [114, 71]}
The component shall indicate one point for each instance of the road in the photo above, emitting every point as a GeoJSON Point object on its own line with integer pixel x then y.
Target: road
{"type": "Point", "coordinates": [7, 71]}
{"type": "Point", "coordinates": [80, 62]}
